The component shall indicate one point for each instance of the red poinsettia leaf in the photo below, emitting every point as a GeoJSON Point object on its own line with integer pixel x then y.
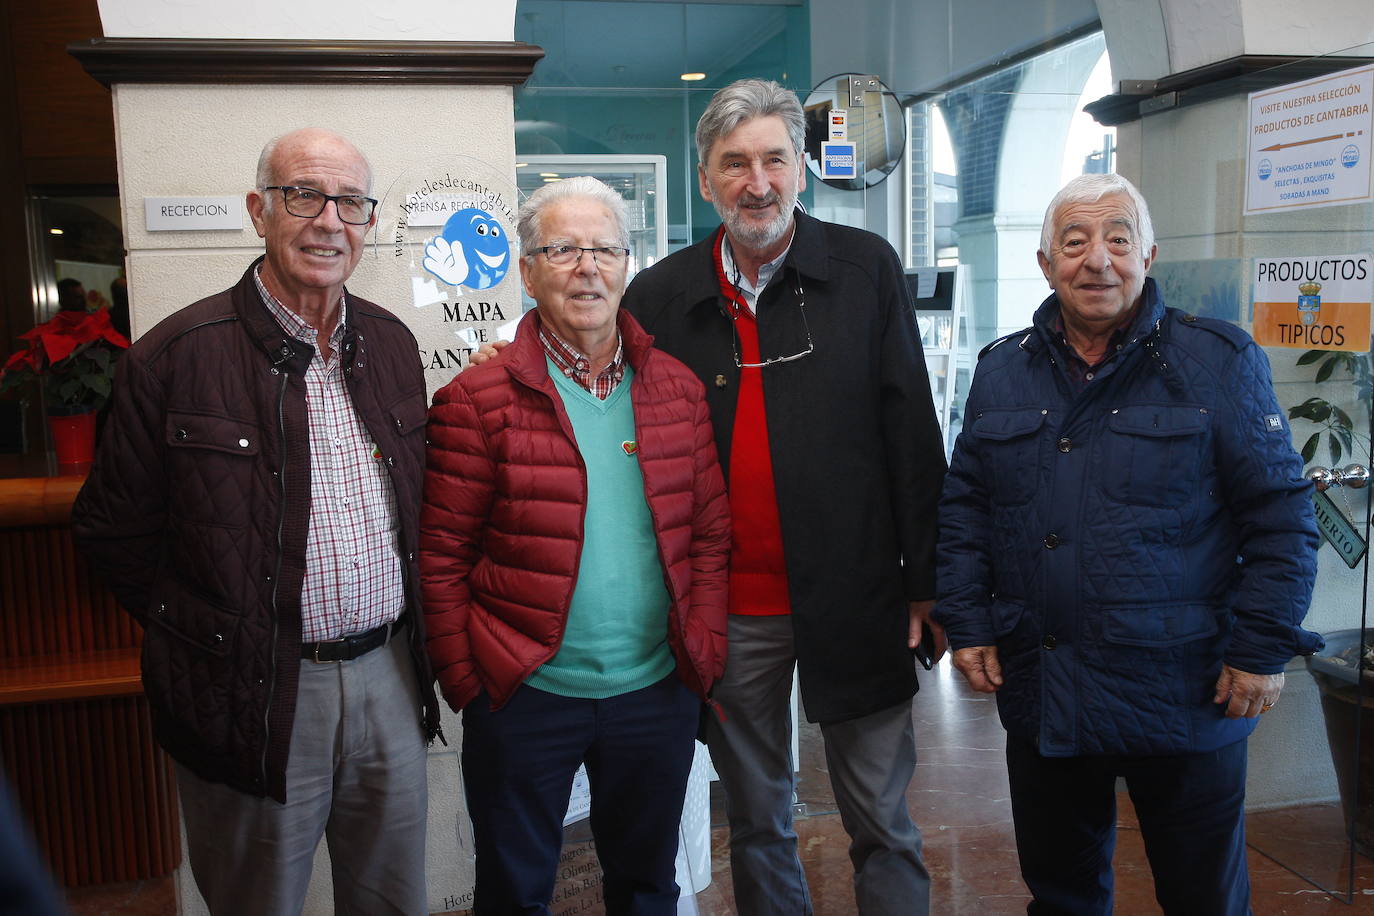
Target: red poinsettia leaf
{"type": "Point", "coordinates": [28, 357]}
{"type": "Point", "coordinates": [58, 344]}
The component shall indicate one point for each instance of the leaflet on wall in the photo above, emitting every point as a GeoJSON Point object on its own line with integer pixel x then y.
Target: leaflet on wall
{"type": "Point", "coordinates": [1309, 143]}
{"type": "Point", "coordinates": [443, 258]}
{"type": "Point", "coordinates": [1320, 303]}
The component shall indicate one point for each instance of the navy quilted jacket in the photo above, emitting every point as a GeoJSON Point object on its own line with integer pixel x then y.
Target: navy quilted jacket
{"type": "Point", "coordinates": [1118, 542]}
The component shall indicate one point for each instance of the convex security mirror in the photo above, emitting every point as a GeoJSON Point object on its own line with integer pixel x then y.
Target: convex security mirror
{"type": "Point", "coordinates": [877, 129]}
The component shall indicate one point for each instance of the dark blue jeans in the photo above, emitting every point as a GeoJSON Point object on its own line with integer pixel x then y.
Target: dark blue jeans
{"type": "Point", "coordinates": [518, 768]}
{"type": "Point", "coordinates": [1192, 818]}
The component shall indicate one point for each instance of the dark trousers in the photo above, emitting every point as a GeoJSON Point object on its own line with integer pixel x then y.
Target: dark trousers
{"type": "Point", "coordinates": [518, 768]}
{"type": "Point", "coordinates": [1192, 818]}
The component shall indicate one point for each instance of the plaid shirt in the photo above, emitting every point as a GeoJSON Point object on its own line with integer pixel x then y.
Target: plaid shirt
{"type": "Point", "coordinates": [353, 579]}
{"type": "Point", "coordinates": [577, 367]}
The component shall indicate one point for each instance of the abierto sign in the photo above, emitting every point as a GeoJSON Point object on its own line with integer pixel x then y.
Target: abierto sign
{"type": "Point", "coordinates": [1319, 303]}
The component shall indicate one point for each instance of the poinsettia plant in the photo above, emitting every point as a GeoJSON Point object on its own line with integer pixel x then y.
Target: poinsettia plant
{"type": "Point", "coordinates": [72, 355]}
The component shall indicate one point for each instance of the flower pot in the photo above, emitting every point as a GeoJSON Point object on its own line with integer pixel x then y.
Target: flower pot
{"type": "Point", "coordinates": [1348, 708]}
{"type": "Point", "coordinates": [73, 440]}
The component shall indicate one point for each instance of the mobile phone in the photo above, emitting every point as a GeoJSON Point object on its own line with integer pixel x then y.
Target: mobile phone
{"type": "Point", "coordinates": [925, 647]}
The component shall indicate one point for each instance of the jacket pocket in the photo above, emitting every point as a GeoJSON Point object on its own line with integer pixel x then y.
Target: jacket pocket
{"type": "Point", "coordinates": [210, 464]}
{"type": "Point", "coordinates": [186, 430]}
{"type": "Point", "coordinates": [1159, 626]}
{"type": "Point", "coordinates": [194, 671]}
{"type": "Point", "coordinates": [407, 415]}
{"type": "Point", "coordinates": [195, 620]}
{"type": "Point", "coordinates": [1145, 678]}
{"type": "Point", "coordinates": [1009, 446]}
{"type": "Point", "coordinates": [1152, 453]}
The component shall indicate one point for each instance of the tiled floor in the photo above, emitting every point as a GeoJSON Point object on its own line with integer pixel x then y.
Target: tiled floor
{"type": "Point", "coordinates": [959, 798]}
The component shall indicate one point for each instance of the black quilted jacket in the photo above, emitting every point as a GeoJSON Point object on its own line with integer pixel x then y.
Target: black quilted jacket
{"type": "Point", "coordinates": [197, 508]}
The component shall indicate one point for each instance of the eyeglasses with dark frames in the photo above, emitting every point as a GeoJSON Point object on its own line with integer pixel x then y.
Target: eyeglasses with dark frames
{"type": "Point", "coordinates": [309, 203]}
{"type": "Point", "coordinates": [733, 311]}
{"type": "Point", "coordinates": [564, 255]}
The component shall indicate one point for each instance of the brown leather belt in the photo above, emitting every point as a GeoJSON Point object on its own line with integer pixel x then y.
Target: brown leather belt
{"type": "Point", "coordinates": [347, 648]}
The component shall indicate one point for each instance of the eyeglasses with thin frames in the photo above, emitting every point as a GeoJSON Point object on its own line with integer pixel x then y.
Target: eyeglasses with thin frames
{"type": "Point", "coordinates": [308, 203]}
{"type": "Point", "coordinates": [733, 311]}
{"type": "Point", "coordinates": [565, 255]}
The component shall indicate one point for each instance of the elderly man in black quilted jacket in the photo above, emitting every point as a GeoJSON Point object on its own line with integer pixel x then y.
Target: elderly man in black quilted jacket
{"type": "Point", "coordinates": [254, 505]}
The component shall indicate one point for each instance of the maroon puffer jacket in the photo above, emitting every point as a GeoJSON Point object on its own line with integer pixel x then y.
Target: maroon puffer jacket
{"type": "Point", "coordinates": [504, 500]}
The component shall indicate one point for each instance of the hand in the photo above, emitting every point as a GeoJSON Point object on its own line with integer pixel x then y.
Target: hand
{"type": "Point", "coordinates": [919, 612]}
{"type": "Point", "coordinates": [979, 666]}
{"type": "Point", "coordinates": [1247, 695]}
{"type": "Point", "coordinates": [446, 260]}
{"type": "Point", "coordinates": [487, 351]}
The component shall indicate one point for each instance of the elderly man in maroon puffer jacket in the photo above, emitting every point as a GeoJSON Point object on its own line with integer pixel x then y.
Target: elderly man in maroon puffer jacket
{"type": "Point", "coordinates": [573, 551]}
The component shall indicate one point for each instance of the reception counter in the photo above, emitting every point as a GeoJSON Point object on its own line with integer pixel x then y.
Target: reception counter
{"type": "Point", "coordinates": [75, 739]}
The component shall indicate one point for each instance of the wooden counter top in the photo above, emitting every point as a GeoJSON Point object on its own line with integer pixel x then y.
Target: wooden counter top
{"type": "Point", "coordinates": [78, 676]}
{"type": "Point", "coordinates": [27, 501]}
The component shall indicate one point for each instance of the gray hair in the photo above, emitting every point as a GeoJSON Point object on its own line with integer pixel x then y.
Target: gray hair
{"type": "Point", "coordinates": [265, 177]}
{"type": "Point", "coordinates": [529, 221]}
{"type": "Point", "coordinates": [744, 100]}
{"type": "Point", "coordinates": [1086, 189]}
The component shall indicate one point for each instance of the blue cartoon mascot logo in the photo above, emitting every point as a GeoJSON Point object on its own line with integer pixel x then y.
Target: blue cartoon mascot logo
{"type": "Point", "coordinates": [473, 251]}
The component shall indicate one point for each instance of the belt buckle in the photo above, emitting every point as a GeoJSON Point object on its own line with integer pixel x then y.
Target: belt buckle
{"type": "Point", "coordinates": [322, 642]}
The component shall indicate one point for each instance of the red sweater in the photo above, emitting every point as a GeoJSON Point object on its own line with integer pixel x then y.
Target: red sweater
{"type": "Point", "coordinates": [758, 573]}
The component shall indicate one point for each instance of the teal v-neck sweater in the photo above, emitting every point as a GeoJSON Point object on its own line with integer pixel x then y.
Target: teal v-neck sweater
{"type": "Point", "coordinates": [616, 639]}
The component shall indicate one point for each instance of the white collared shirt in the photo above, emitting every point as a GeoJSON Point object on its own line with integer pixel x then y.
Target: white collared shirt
{"type": "Point", "coordinates": [749, 292]}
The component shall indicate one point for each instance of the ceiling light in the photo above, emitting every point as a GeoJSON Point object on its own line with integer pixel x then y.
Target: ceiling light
{"type": "Point", "coordinates": [692, 77]}
{"type": "Point", "coordinates": [548, 175]}
{"type": "Point", "coordinates": [521, 165]}
{"type": "Point", "coordinates": [55, 231]}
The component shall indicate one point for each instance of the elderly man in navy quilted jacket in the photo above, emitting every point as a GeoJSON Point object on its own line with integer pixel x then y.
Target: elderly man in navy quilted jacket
{"type": "Point", "coordinates": [1127, 551]}
{"type": "Point", "coordinates": [573, 550]}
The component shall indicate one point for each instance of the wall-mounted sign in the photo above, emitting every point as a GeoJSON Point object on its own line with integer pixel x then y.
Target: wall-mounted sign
{"type": "Point", "coordinates": [839, 124]}
{"type": "Point", "coordinates": [168, 214]}
{"type": "Point", "coordinates": [1320, 303]}
{"type": "Point", "coordinates": [838, 160]}
{"type": "Point", "coordinates": [1310, 143]}
{"type": "Point", "coordinates": [444, 244]}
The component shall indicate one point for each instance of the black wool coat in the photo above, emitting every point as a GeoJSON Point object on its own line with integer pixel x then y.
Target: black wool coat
{"type": "Point", "coordinates": [858, 456]}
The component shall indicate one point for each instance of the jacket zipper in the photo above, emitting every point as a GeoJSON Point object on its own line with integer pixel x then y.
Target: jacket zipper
{"type": "Point", "coordinates": [276, 577]}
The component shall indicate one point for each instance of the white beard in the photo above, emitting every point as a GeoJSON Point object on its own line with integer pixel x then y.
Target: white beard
{"type": "Point", "coordinates": [753, 236]}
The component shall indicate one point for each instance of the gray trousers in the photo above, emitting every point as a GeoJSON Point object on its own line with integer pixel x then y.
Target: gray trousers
{"type": "Point", "coordinates": [356, 775]}
{"type": "Point", "coordinates": [871, 761]}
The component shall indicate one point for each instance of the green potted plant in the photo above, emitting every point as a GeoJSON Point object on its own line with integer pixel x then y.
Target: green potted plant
{"type": "Point", "coordinates": [71, 359]}
{"type": "Point", "coordinates": [1333, 422]}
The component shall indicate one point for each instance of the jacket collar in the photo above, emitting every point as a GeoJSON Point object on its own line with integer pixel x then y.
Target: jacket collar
{"type": "Point", "coordinates": [1145, 323]}
{"type": "Point", "coordinates": [280, 347]}
{"type": "Point", "coordinates": [524, 358]}
{"type": "Point", "coordinates": [808, 256]}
